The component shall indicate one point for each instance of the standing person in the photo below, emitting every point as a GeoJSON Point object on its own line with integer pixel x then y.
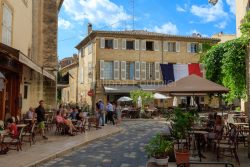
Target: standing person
{"type": "Point", "coordinates": [40, 112]}
{"type": "Point", "coordinates": [102, 112]}
{"type": "Point", "coordinates": [97, 114]}
{"type": "Point", "coordinates": [110, 110]}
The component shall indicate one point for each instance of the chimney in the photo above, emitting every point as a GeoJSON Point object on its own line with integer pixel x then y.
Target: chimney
{"type": "Point", "coordinates": [89, 28]}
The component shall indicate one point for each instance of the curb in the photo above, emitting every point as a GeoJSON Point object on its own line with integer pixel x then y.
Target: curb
{"type": "Point", "coordinates": [68, 150]}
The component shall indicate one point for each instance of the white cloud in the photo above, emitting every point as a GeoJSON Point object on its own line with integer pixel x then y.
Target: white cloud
{"type": "Point", "coordinates": [209, 13]}
{"type": "Point", "coordinates": [180, 9]}
{"type": "Point", "coordinates": [231, 4]}
{"type": "Point", "coordinates": [64, 24]}
{"type": "Point", "coordinates": [98, 12]}
{"type": "Point", "coordinates": [167, 28]}
{"type": "Point", "coordinates": [221, 25]}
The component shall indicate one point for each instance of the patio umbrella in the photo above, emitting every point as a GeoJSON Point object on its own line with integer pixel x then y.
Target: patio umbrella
{"type": "Point", "coordinates": [161, 96]}
{"type": "Point", "coordinates": [124, 99]}
{"type": "Point", "coordinates": [139, 102]}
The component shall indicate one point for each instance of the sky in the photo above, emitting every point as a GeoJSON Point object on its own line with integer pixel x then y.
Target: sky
{"type": "Point", "coordinates": [178, 17]}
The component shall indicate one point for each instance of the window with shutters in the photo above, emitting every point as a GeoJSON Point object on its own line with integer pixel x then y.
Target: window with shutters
{"type": "Point", "coordinates": [130, 70]}
{"type": "Point", "coordinates": [109, 43]}
{"type": "Point", "coordinates": [172, 46]}
{"type": "Point", "coordinates": [108, 70]}
{"type": "Point", "coordinates": [150, 71]}
{"type": "Point", "coordinates": [149, 45]}
{"type": "Point", "coordinates": [90, 48]}
{"type": "Point", "coordinates": [7, 25]}
{"type": "Point", "coordinates": [130, 45]}
{"type": "Point", "coordinates": [194, 47]}
{"type": "Point", "coordinates": [90, 70]}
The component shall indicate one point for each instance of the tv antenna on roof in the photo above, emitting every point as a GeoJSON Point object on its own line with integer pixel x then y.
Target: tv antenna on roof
{"type": "Point", "coordinates": [133, 13]}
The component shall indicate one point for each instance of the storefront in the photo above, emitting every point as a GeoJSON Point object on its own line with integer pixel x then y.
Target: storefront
{"type": "Point", "coordinates": [11, 74]}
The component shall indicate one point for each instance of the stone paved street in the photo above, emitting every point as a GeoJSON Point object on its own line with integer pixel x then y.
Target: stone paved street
{"type": "Point", "coordinates": [122, 150]}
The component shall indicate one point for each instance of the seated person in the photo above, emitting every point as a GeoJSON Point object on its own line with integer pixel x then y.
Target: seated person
{"type": "Point", "coordinates": [31, 113]}
{"type": "Point", "coordinates": [210, 122]}
{"type": "Point", "coordinates": [60, 119]}
{"type": "Point", "coordinates": [12, 128]}
{"type": "Point", "coordinates": [73, 113]}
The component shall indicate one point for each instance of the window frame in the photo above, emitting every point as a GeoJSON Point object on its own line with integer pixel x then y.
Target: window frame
{"type": "Point", "coordinates": [4, 2]}
{"type": "Point", "coordinates": [127, 44]}
{"type": "Point", "coordinates": [108, 71]}
{"type": "Point", "coordinates": [194, 47]}
{"type": "Point", "coordinates": [152, 43]}
{"type": "Point", "coordinates": [106, 45]}
{"type": "Point", "coordinates": [173, 45]}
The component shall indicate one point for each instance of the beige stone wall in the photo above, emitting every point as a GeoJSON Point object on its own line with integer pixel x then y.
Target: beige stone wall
{"type": "Point", "coordinates": [224, 37]}
{"type": "Point", "coordinates": [241, 9]}
{"type": "Point", "coordinates": [21, 23]}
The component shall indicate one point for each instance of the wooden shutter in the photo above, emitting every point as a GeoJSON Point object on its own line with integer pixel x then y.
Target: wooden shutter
{"type": "Point", "coordinates": [116, 70]}
{"type": "Point", "coordinates": [156, 46]}
{"type": "Point", "coordinates": [157, 70]}
{"type": "Point", "coordinates": [137, 70]}
{"type": "Point", "coordinates": [101, 69]}
{"type": "Point", "coordinates": [165, 46]}
{"type": "Point", "coordinates": [81, 73]}
{"type": "Point", "coordinates": [123, 70]}
{"type": "Point", "coordinates": [177, 44]}
{"type": "Point", "coordinates": [137, 47]}
{"type": "Point", "coordinates": [143, 45]}
{"type": "Point", "coordinates": [189, 47]}
{"type": "Point", "coordinates": [200, 47]}
{"type": "Point", "coordinates": [102, 43]}
{"type": "Point", "coordinates": [123, 44]}
{"type": "Point", "coordinates": [143, 70]}
{"type": "Point", "coordinates": [115, 43]}
{"type": "Point", "coordinates": [7, 25]}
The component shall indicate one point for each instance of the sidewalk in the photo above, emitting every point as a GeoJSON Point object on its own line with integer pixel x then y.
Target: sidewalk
{"type": "Point", "coordinates": [56, 146]}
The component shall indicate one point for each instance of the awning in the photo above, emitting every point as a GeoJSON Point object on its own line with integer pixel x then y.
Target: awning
{"type": "Point", "coordinates": [120, 89]}
{"type": "Point", "coordinates": [47, 74]}
{"type": "Point", "coordinates": [150, 87]}
{"type": "Point", "coordinates": [25, 60]}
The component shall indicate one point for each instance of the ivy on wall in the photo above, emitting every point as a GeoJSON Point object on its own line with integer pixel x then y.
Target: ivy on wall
{"type": "Point", "coordinates": [226, 63]}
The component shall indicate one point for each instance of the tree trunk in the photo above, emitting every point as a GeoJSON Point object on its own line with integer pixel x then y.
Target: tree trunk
{"type": "Point", "coordinates": [248, 93]}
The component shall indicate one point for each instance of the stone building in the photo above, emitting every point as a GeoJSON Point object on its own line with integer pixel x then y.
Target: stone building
{"type": "Point", "coordinates": [224, 37]}
{"type": "Point", "coordinates": [28, 54]}
{"type": "Point", "coordinates": [68, 81]}
{"type": "Point", "coordinates": [112, 63]}
{"type": "Point", "coordinates": [242, 6]}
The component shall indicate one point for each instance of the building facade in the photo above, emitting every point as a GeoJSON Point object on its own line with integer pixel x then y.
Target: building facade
{"type": "Point", "coordinates": [242, 6]}
{"type": "Point", "coordinates": [112, 63]}
{"type": "Point", "coordinates": [224, 37]}
{"type": "Point", "coordinates": [68, 81]}
{"type": "Point", "coordinates": [28, 54]}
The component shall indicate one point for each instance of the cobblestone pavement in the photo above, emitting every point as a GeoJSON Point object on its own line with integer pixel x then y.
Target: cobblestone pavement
{"type": "Point", "coordinates": [122, 150]}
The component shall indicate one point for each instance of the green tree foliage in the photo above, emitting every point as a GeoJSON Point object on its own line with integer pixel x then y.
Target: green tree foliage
{"type": "Point", "coordinates": [146, 97]}
{"type": "Point", "coordinates": [245, 27]}
{"type": "Point", "coordinates": [225, 64]}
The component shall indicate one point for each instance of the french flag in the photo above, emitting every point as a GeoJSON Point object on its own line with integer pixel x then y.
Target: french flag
{"type": "Point", "coordinates": [173, 72]}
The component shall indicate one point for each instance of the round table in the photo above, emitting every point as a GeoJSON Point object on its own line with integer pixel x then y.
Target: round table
{"type": "Point", "coordinates": [21, 125]}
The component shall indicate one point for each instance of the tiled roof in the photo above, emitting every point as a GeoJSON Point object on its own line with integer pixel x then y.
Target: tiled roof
{"type": "Point", "coordinates": [139, 33]}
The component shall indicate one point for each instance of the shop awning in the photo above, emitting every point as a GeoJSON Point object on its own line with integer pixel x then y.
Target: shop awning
{"type": "Point", "coordinates": [150, 87]}
{"type": "Point", "coordinates": [120, 89]}
{"type": "Point", "coordinates": [25, 60]}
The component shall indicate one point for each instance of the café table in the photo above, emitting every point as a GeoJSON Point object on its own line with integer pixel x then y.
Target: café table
{"type": "Point", "coordinates": [198, 135]}
{"type": "Point", "coordinates": [21, 125]}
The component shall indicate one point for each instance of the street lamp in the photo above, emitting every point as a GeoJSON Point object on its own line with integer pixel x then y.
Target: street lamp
{"type": "Point", "coordinates": [213, 2]}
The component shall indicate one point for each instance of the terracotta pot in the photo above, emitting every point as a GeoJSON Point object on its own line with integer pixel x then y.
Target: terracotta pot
{"type": "Point", "coordinates": [182, 156]}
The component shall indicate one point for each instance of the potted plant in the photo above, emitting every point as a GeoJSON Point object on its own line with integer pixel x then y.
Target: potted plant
{"type": "Point", "coordinates": [182, 122]}
{"type": "Point", "coordinates": [159, 148]}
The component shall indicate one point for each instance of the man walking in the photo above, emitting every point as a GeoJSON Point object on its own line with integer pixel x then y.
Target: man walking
{"type": "Point", "coordinates": [110, 110]}
{"type": "Point", "coordinates": [40, 112]}
{"type": "Point", "coordinates": [102, 112]}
